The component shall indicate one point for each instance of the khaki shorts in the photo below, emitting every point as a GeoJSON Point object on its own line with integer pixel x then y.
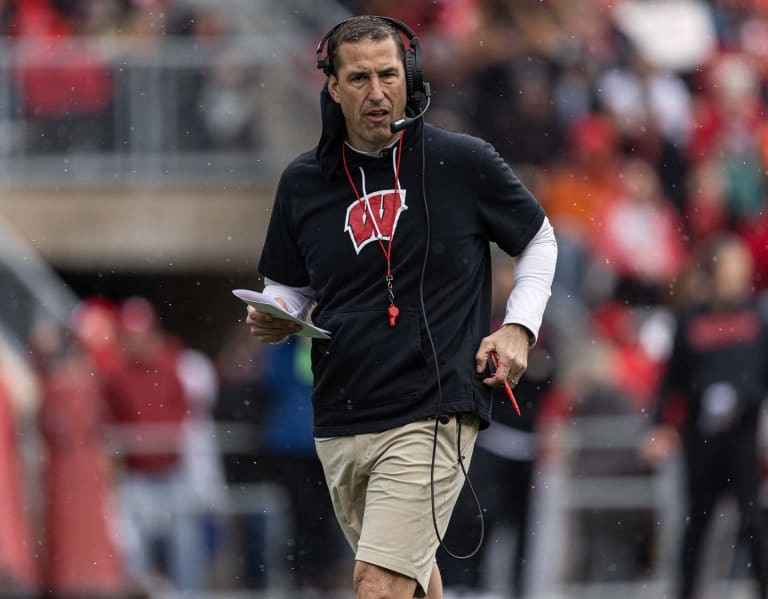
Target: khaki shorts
{"type": "Point", "coordinates": [380, 489]}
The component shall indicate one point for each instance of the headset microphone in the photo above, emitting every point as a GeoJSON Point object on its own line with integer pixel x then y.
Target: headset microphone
{"type": "Point", "coordinates": [403, 122]}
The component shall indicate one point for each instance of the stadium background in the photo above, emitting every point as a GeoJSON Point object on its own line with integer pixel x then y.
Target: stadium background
{"type": "Point", "coordinates": [140, 144]}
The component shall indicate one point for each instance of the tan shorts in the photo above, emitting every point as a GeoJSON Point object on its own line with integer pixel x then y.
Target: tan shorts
{"type": "Point", "coordinates": [380, 488]}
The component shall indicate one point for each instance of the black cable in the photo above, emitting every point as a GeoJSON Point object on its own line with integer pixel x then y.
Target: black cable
{"type": "Point", "coordinates": [440, 387]}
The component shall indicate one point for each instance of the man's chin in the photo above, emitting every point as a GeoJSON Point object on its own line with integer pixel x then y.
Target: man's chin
{"type": "Point", "coordinates": [382, 137]}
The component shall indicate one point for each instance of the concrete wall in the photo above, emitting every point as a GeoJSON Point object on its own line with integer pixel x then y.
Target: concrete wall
{"type": "Point", "coordinates": [142, 229]}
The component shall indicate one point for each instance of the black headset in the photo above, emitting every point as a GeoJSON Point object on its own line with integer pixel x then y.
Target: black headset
{"type": "Point", "coordinates": [416, 87]}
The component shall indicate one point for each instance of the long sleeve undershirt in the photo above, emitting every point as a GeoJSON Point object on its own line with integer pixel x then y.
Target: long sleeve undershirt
{"type": "Point", "coordinates": [534, 272]}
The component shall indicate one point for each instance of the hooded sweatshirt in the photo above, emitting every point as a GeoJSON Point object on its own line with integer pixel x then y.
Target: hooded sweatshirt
{"type": "Point", "coordinates": [449, 197]}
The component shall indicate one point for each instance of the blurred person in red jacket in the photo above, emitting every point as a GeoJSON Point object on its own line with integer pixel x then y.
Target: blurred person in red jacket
{"type": "Point", "coordinates": [65, 86]}
{"type": "Point", "coordinates": [640, 241]}
{"type": "Point", "coordinates": [147, 404]}
{"type": "Point", "coordinates": [81, 556]}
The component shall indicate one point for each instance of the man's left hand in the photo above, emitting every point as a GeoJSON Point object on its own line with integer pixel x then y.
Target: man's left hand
{"type": "Point", "coordinates": [510, 344]}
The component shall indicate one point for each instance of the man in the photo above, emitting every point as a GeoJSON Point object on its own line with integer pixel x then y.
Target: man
{"type": "Point", "coordinates": [353, 223]}
{"type": "Point", "coordinates": [148, 406]}
{"type": "Point", "coordinates": [719, 369]}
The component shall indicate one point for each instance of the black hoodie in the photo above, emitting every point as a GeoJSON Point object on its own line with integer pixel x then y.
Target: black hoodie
{"type": "Point", "coordinates": [369, 376]}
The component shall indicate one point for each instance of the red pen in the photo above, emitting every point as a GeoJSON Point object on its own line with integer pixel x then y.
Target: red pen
{"type": "Point", "coordinates": [506, 385]}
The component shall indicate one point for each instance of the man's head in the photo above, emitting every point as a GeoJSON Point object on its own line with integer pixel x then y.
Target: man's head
{"type": "Point", "coordinates": [730, 266]}
{"type": "Point", "coordinates": [367, 79]}
{"type": "Point", "coordinates": [140, 333]}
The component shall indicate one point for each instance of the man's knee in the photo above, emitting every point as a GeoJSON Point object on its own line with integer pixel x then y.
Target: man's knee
{"type": "Point", "coordinates": [375, 582]}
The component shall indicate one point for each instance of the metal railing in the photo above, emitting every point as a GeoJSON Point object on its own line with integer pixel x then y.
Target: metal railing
{"type": "Point", "coordinates": [130, 110]}
{"type": "Point", "coordinates": [30, 291]}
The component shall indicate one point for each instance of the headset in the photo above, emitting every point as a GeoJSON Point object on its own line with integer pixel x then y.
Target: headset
{"type": "Point", "coordinates": [416, 88]}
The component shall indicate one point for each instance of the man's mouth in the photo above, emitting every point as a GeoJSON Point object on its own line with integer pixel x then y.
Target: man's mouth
{"type": "Point", "coordinates": [377, 115]}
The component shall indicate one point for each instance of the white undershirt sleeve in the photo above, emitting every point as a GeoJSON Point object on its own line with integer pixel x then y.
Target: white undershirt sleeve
{"type": "Point", "coordinates": [534, 272]}
{"type": "Point", "coordinates": [297, 299]}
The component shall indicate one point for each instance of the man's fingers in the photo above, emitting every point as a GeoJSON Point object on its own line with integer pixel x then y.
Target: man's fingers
{"type": "Point", "coordinates": [482, 355]}
{"type": "Point", "coordinates": [269, 338]}
{"type": "Point", "coordinates": [259, 317]}
{"type": "Point", "coordinates": [268, 329]}
{"type": "Point", "coordinates": [509, 370]}
{"type": "Point", "coordinates": [510, 346]}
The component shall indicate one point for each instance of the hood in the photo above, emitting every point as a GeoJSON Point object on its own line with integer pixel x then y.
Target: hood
{"type": "Point", "coordinates": [334, 131]}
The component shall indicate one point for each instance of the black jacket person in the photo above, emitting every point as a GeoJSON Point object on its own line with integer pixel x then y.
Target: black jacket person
{"type": "Point", "coordinates": [718, 369]}
{"type": "Point", "coordinates": [386, 234]}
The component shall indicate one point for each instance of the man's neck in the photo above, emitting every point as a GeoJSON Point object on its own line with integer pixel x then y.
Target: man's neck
{"type": "Point", "coordinates": [373, 153]}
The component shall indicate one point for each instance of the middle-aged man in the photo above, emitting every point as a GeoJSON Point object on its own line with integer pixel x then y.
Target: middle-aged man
{"type": "Point", "coordinates": [384, 231]}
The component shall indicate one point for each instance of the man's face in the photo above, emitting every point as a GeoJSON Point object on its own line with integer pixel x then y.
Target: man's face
{"type": "Point", "coordinates": [369, 85]}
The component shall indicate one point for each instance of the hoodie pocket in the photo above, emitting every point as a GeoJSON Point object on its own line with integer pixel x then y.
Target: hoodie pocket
{"type": "Point", "coordinates": [367, 364]}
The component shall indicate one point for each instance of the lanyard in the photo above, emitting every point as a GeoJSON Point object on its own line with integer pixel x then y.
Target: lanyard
{"type": "Point", "coordinates": [392, 310]}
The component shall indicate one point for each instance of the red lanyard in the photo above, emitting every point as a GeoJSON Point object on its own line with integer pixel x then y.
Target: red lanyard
{"type": "Point", "coordinates": [392, 310]}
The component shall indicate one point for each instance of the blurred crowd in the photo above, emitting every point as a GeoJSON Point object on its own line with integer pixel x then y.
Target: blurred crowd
{"type": "Point", "coordinates": [77, 65]}
{"type": "Point", "coordinates": [640, 126]}
{"type": "Point", "coordinates": [141, 465]}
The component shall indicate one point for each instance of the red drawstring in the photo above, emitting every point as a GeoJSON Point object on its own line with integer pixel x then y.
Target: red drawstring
{"type": "Point", "coordinates": [388, 250]}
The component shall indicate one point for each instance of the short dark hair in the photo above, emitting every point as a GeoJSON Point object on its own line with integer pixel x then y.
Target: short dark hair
{"type": "Point", "coordinates": [363, 27]}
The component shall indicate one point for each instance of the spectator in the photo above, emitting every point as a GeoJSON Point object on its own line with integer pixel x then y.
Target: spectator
{"type": "Point", "coordinates": [730, 117]}
{"type": "Point", "coordinates": [201, 455]}
{"type": "Point", "coordinates": [314, 544]}
{"type": "Point", "coordinates": [651, 108]}
{"type": "Point", "coordinates": [201, 452]}
{"type": "Point", "coordinates": [705, 211]}
{"type": "Point", "coordinates": [82, 558]}
{"type": "Point", "coordinates": [580, 187]}
{"type": "Point", "coordinates": [242, 399]}
{"type": "Point", "coordinates": [68, 108]}
{"type": "Point", "coordinates": [641, 237]}
{"type": "Point", "coordinates": [161, 535]}
{"type": "Point", "coordinates": [229, 100]}
{"type": "Point", "coordinates": [718, 369]}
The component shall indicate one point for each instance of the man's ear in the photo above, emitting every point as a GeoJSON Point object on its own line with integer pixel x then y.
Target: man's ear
{"type": "Point", "coordinates": [333, 88]}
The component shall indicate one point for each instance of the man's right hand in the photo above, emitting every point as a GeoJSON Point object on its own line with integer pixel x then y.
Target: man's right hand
{"type": "Point", "coordinates": [268, 329]}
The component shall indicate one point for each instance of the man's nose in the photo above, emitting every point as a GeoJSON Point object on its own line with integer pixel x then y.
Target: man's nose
{"type": "Point", "coordinates": [376, 92]}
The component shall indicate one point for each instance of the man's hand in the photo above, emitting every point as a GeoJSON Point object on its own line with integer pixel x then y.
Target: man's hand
{"type": "Point", "coordinates": [268, 329]}
{"type": "Point", "coordinates": [511, 344]}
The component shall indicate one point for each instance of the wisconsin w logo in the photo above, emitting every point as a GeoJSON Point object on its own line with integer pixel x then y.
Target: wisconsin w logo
{"type": "Point", "coordinates": [385, 208]}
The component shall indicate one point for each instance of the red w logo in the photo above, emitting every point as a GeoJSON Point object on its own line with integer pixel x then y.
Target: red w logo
{"type": "Point", "coordinates": [374, 216]}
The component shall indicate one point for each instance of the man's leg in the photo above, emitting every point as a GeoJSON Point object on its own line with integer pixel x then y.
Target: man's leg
{"type": "Point", "coordinates": [373, 582]}
{"type": "Point", "coordinates": [435, 590]}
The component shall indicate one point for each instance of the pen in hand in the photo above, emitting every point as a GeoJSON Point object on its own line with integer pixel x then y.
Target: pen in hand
{"type": "Point", "coordinates": [506, 385]}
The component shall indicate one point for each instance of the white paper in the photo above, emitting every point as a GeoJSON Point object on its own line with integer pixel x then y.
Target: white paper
{"type": "Point", "coordinates": [264, 303]}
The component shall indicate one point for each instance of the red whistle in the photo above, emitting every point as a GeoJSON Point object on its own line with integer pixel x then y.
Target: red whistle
{"type": "Point", "coordinates": [393, 312]}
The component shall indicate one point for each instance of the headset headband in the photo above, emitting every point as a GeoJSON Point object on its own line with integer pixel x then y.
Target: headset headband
{"type": "Point", "coordinates": [415, 85]}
